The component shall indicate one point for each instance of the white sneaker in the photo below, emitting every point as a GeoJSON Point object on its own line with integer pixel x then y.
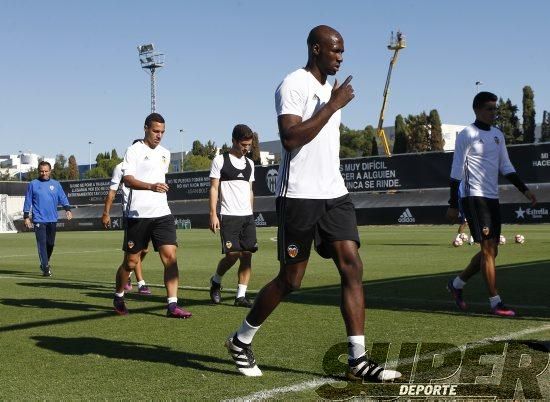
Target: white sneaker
{"type": "Point", "coordinates": [243, 357]}
{"type": "Point", "coordinates": [366, 369]}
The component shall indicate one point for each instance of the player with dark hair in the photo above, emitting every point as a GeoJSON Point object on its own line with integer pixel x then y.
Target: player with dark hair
{"type": "Point", "coordinates": [116, 183]}
{"type": "Point", "coordinates": [480, 155]}
{"type": "Point", "coordinates": [148, 215]}
{"type": "Point", "coordinates": [42, 198]}
{"type": "Point", "coordinates": [231, 178]}
{"type": "Point", "coordinates": [313, 204]}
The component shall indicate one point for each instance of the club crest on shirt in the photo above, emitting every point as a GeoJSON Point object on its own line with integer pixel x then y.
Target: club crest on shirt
{"type": "Point", "coordinates": [228, 244]}
{"type": "Point", "coordinates": [485, 230]}
{"type": "Point", "coordinates": [292, 250]}
{"type": "Point", "coordinates": [131, 244]}
{"type": "Point", "coordinates": [497, 141]}
{"type": "Point", "coordinates": [52, 188]}
{"type": "Point", "coordinates": [164, 160]}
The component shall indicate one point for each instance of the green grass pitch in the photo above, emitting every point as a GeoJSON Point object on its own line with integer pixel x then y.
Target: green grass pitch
{"type": "Point", "coordinates": [60, 339]}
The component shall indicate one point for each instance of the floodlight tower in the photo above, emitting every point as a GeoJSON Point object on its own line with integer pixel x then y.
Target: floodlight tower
{"type": "Point", "coordinates": [150, 61]}
{"type": "Point", "coordinates": [397, 43]}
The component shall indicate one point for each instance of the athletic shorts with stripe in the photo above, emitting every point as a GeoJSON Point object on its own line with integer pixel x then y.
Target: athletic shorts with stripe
{"type": "Point", "coordinates": [303, 221]}
{"type": "Point", "coordinates": [483, 215]}
{"type": "Point", "coordinates": [238, 233]}
{"type": "Point", "coordinates": [138, 232]}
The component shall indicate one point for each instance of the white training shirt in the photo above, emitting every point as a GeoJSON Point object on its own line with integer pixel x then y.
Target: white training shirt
{"type": "Point", "coordinates": [234, 194]}
{"type": "Point", "coordinates": [150, 166]}
{"type": "Point", "coordinates": [478, 158]}
{"type": "Point", "coordinates": [314, 169]}
{"type": "Point", "coordinates": [116, 182]}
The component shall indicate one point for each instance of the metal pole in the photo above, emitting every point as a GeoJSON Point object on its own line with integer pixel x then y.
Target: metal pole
{"type": "Point", "coordinates": [153, 99]}
{"type": "Point", "coordinates": [90, 155]}
{"type": "Point", "coordinates": [181, 161]}
{"type": "Point", "coordinates": [20, 163]}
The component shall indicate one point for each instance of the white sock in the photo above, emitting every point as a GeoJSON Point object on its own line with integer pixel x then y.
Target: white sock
{"type": "Point", "coordinates": [119, 294]}
{"type": "Point", "coordinates": [172, 300]}
{"type": "Point", "coordinates": [356, 346]}
{"type": "Point", "coordinates": [246, 332]}
{"type": "Point", "coordinates": [130, 276]}
{"type": "Point", "coordinates": [216, 278]}
{"type": "Point", "coordinates": [494, 301]}
{"type": "Point", "coordinates": [458, 283]}
{"type": "Point", "coordinates": [241, 290]}
{"type": "Point", "coordinates": [141, 283]}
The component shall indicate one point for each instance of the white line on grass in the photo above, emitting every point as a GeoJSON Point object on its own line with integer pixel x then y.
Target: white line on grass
{"type": "Point", "coordinates": [317, 382]}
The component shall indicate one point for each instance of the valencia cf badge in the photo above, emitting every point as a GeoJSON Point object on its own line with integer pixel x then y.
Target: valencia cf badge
{"type": "Point", "coordinates": [497, 141]}
{"type": "Point", "coordinates": [228, 244]}
{"type": "Point", "coordinates": [292, 251]}
{"type": "Point", "coordinates": [131, 244]}
{"type": "Point", "coordinates": [485, 231]}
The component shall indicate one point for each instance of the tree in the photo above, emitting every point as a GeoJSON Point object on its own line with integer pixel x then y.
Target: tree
{"type": "Point", "coordinates": [196, 162]}
{"type": "Point", "coordinates": [436, 134]}
{"type": "Point", "coordinates": [417, 126]}
{"type": "Point", "coordinates": [254, 153]}
{"type": "Point", "coordinates": [545, 127]}
{"type": "Point", "coordinates": [114, 154]}
{"type": "Point", "coordinates": [401, 134]}
{"type": "Point", "coordinates": [73, 173]}
{"type": "Point", "coordinates": [60, 171]}
{"type": "Point", "coordinates": [370, 147]}
{"type": "Point", "coordinates": [352, 142]}
{"type": "Point", "coordinates": [197, 149]}
{"type": "Point", "coordinates": [32, 174]}
{"type": "Point", "coordinates": [508, 122]}
{"type": "Point", "coordinates": [528, 115]}
{"type": "Point", "coordinates": [106, 163]}
{"type": "Point", "coordinates": [225, 148]}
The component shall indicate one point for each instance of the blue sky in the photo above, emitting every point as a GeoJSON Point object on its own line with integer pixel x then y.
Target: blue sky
{"type": "Point", "coordinates": [70, 71]}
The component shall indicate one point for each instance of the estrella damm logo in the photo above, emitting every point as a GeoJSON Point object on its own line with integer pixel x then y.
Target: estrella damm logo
{"type": "Point", "coordinates": [487, 370]}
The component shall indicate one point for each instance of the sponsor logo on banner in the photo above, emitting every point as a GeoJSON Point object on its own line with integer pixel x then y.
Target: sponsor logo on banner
{"type": "Point", "coordinates": [534, 213]}
{"type": "Point", "coordinates": [544, 161]}
{"type": "Point", "coordinates": [271, 179]}
{"type": "Point", "coordinates": [260, 221]}
{"type": "Point", "coordinates": [406, 217]}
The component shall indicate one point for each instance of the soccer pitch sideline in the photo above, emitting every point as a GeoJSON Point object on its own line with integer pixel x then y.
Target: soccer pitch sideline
{"type": "Point", "coordinates": [60, 338]}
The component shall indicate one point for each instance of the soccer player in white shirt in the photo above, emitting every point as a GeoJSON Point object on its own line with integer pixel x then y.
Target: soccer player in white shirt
{"type": "Point", "coordinates": [313, 204]}
{"type": "Point", "coordinates": [231, 178]}
{"type": "Point", "coordinates": [116, 183]}
{"type": "Point", "coordinates": [480, 155]}
{"type": "Point", "coordinates": [148, 216]}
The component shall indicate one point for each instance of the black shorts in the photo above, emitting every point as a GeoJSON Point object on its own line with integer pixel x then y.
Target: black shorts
{"type": "Point", "coordinates": [138, 232]}
{"type": "Point", "coordinates": [483, 215]}
{"type": "Point", "coordinates": [238, 233]}
{"type": "Point", "coordinates": [302, 221]}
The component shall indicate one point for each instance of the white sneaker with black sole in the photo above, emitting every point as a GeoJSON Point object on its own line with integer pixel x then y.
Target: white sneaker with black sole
{"type": "Point", "coordinates": [366, 369]}
{"type": "Point", "coordinates": [243, 357]}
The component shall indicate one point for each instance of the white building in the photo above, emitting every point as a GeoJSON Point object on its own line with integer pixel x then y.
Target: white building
{"type": "Point", "coordinates": [16, 164]}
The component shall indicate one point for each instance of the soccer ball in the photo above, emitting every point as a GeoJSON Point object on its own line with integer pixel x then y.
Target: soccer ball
{"type": "Point", "coordinates": [520, 239]}
{"type": "Point", "coordinates": [502, 240]}
{"type": "Point", "coordinates": [457, 242]}
{"type": "Point", "coordinates": [464, 237]}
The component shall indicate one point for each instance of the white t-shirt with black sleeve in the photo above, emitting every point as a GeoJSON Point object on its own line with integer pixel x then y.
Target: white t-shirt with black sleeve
{"type": "Point", "coordinates": [235, 181]}
{"type": "Point", "coordinates": [478, 158]}
{"type": "Point", "coordinates": [311, 171]}
{"type": "Point", "coordinates": [150, 166]}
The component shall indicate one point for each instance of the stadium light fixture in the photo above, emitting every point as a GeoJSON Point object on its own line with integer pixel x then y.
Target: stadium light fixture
{"type": "Point", "coordinates": [150, 62]}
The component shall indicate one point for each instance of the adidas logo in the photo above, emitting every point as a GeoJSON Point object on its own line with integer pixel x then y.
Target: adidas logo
{"type": "Point", "coordinates": [240, 175]}
{"type": "Point", "coordinates": [260, 221]}
{"type": "Point", "coordinates": [406, 217]}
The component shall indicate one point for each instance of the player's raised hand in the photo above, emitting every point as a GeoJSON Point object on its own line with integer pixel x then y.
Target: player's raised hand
{"type": "Point", "coordinates": [342, 94]}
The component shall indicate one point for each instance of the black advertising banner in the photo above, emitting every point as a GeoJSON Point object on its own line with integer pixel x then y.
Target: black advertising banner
{"type": "Point", "coordinates": [85, 192]}
{"type": "Point", "coordinates": [399, 172]}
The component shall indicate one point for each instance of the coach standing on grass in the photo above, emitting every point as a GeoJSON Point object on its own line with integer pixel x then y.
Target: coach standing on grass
{"type": "Point", "coordinates": [43, 196]}
{"type": "Point", "coordinates": [149, 217]}
{"type": "Point", "coordinates": [480, 155]}
{"type": "Point", "coordinates": [313, 204]}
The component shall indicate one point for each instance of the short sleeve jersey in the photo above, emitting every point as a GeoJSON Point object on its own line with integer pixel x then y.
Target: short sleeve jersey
{"type": "Point", "coordinates": [149, 165]}
{"type": "Point", "coordinates": [235, 184]}
{"type": "Point", "coordinates": [312, 170]}
{"type": "Point", "coordinates": [478, 158]}
{"type": "Point", "coordinates": [116, 182]}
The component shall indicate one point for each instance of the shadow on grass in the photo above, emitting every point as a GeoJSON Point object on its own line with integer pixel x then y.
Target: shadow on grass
{"type": "Point", "coordinates": [142, 352]}
{"type": "Point", "coordinates": [53, 304]}
{"type": "Point", "coordinates": [522, 286]}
